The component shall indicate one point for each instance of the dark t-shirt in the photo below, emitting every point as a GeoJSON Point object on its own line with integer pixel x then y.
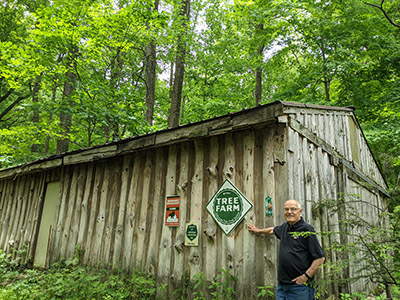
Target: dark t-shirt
{"type": "Point", "coordinates": [296, 253]}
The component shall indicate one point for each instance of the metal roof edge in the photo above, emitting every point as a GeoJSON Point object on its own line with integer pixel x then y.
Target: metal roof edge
{"type": "Point", "coordinates": [316, 106]}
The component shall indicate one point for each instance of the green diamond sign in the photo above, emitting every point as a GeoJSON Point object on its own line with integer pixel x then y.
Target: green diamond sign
{"type": "Point", "coordinates": [228, 206]}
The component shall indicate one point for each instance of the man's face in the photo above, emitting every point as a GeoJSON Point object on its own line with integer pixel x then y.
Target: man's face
{"type": "Point", "coordinates": [292, 211]}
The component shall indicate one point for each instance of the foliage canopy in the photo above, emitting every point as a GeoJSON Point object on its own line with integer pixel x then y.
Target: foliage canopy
{"type": "Point", "coordinates": [75, 69]}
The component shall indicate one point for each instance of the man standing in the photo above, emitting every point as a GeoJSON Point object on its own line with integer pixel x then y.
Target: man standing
{"type": "Point", "coordinates": [300, 254]}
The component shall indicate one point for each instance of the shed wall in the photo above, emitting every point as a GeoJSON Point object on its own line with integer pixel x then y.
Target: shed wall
{"type": "Point", "coordinates": [321, 167]}
{"type": "Point", "coordinates": [21, 199]}
{"type": "Point", "coordinates": [114, 209]}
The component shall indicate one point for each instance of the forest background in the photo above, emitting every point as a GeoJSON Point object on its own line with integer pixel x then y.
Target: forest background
{"type": "Point", "coordinates": [77, 73]}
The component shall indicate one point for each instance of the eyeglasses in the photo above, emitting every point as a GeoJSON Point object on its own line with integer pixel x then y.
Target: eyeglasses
{"type": "Point", "coordinates": [293, 209]}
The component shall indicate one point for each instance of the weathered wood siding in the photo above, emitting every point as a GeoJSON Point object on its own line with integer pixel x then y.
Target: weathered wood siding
{"type": "Point", "coordinates": [323, 165]}
{"type": "Point", "coordinates": [21, 199]}
{"type": "Point", "coordinates": [112, 198]}
{"type": "Point", "coordinates": [114, 209]}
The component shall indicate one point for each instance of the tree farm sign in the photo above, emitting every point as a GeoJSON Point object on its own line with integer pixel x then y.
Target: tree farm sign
{"type": "Point", "coordinates": [228, 206]}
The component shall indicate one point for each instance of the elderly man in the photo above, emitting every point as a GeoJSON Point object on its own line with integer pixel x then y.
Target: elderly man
{"type": "Point", "coordinates": [300, 255]}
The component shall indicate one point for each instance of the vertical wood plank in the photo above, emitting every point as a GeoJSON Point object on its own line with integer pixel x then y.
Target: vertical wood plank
{"type": "Point", "coordinates": [19, 216]}
{"type": "Point", "coordinates": [281, 175]}
{"type": "Point", "coordinates": [196, 196]}
{"type": "Point", "coordinates": [158, 213]}
{"type": "Point", "coordinates": [238, 232]}
{"type": "Point", "coordinates": [85, 204]}
{"type": "Point", "coordinates": [10, 239]}
{"type": "Point", "coordinates": [142, 230]}
{"type": "Point", "coordinates": [98, 233]}
{"type": "Point", "coordinates": [36, 213]}
{"type": "Point", "coordinates": [70, 208]}
{"type": "Point", "coordinates": [151, 208]}
{"type": "Point", "coordinates": [25, 200]}
{"type": "Point", "coordinates": [126, 174]}
{"type": "Point", "coordinates": [210, 226]}
{"type": "Point", "coordinates": [89, 255]}
{"type": "Point", "coordinates": [248, 189]}
{"type": "Point", "coordinates": [113, 192]}
{"type": "Point", "coordinates": [28, 237]}
{"type": "Point", "coordinates": [166, 245]}
{"type": "Point", "coordinates": [227, 255]}
{"type": "Point", "coordinates": [178, 269]}
{"type": "Point", "coordinates": [269, 246]}
{"type": "Point", "coordinates": [296, 190]}
{"type": "Point", "coordinates": [304, 176]}
{"type": "Point", "coordinates": [8, 198]}
{"type": "Point", "coordinates": [141, 159]}
{"type": "Point", "coordinates": [307, 165]}
{"type": "Point", "coordinates": [130, 211]}
{"type": "Point", "coordinates": [347, 137]}
{"type": "Point", "coordinates": [3, 206]}
{"type": "Point", "coordinates": [258, 261]}
{"type": "Point", "coordinates": [61, 208]}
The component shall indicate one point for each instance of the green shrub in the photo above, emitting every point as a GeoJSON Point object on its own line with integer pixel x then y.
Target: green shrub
{"type": "Point", "coordinates": [69, 280]}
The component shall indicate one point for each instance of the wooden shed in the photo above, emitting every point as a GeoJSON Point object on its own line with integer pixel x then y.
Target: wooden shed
{"type": "Point", "coordinates": [110, 200]}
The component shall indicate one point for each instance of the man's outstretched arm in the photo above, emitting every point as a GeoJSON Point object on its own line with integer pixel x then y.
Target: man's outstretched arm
{"type": "Point", "coordinates": [254, 229]}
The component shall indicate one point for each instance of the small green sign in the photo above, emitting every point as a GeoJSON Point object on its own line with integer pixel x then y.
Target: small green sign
{"type": "Point", "coordinates": [228, 206]}
{"type": "Point", "coordinates": [191, 232]}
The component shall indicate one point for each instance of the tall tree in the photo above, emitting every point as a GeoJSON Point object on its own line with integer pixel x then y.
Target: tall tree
{"type": "Point", "coordinates": [35, 111]}
{"type": "Point", "coordinates": [259, 70]}
{"type": "Point", "coordinates": [151, 75]}
{"type": "Point", "coordinates": [176, 91]}
{"type": "Point", "coordinates": [67, 102]}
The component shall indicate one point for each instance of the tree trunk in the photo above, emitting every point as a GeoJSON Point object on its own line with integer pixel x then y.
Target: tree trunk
{"type": "Point", "coordinates": [326, 80]}
{"type": "Point", "coordinates": [327, 85]}
{"type": "Point", "coordinates": [53, 99]}
{"type": "Point", "coordinates": [258, 88]}
{"type": "Point", "coordinates": [176, 92]}
{"type": "Point", "coordinates": [35, 100]}
{"type": "Point", "coordinates": [389, 294]}
{"type": "Point", "coordinates": [150, 76]}
{"type": "Point", "coordinates": [112, 130]}
{"type": "Point", "coordinates": [65, 115]}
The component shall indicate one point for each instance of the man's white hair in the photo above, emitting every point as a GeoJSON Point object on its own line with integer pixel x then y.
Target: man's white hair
{"type": "Point", "coordinates": [298, 203]}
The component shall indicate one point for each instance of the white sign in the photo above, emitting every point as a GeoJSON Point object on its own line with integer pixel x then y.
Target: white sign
{"type": "Point", "coordinates": [228, 207]}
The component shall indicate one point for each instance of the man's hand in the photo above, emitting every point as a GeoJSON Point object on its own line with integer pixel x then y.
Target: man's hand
{"type": "Point", "coordinates": [302, 279]}
{"type": "Point", "coordinates": [253, 228]}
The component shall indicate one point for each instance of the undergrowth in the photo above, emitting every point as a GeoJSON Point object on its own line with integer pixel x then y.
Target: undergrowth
{"type": "Point", "coordinates": [67, 279]}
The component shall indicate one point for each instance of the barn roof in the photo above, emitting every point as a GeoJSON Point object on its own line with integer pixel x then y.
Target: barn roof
{"type": "Point", "coordinates": [254, 117]}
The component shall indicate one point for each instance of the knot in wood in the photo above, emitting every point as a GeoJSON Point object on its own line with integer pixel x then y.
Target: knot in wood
{"type": "Point", "coordinates": [195, 258]}
{"type": "Point", "coordinates": [210, 232]}
{"type": "Point", "coordinates": [212, 171]}
{"type": "Point", "coordinates": [179, 246]}
{"type": "Point", "coordinates": [182, 186]}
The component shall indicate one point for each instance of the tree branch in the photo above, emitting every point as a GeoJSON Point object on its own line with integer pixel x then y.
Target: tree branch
{"type": "Point", "coordinates": [378, 261]}
{"type": "Point", "coordinates": [12, 105]}
{"type": "Point", "coordinates": [4, 97]}
{"type": "Point", "coordinates": [380, 7]}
